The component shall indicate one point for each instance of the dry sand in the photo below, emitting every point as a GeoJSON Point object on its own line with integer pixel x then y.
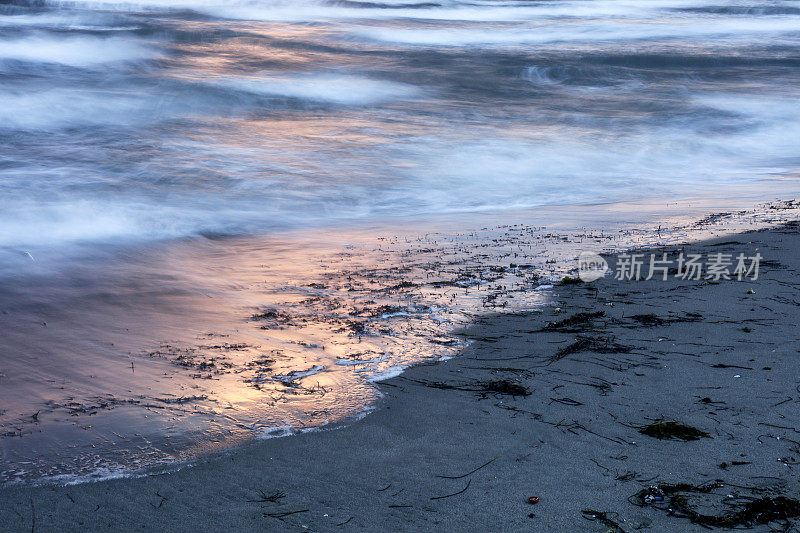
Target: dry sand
{"type": "Point", "coordinates": [722, 358]}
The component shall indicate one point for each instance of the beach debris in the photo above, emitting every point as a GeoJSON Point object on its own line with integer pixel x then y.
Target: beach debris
{"type": "Point", "coordinates": [33, 515]}
{"type": "Point", "coordinates": [533, 500]}
{"type": "Point", "coordinates": [204, 358]}
{"type": "Point", "coordinates": [345, 522]}
{"type": "Point", "coordinates": [603, 518]}
{"type": "Point", "coordinates": [357, 329]}
{"type": "Point", "coordinates": [725, 466]}
{"type": "Point", "coordinates": [725, 365]}
{"type": "Point", "coordinates": [506, 386]}
{"type": "Point", "coordinates": [161, 501]}
{"type": "Point", "coordinates": [577, 322]}
{"type": "Point", "coordinates": [647, 319]}
{"type": "Point", "coordinates": [290, 378]}
{"type": "Point", "coordinates": [674, 499]}
{"type": "Point", "coordinates": [487, 463]}
{"type": "Point", "coordinates": [469, 481]}
{"type": "Point", "coordinates": [501, 386]}
{"type": "Point", "coordinates": [566, 401]}
{"type": "Point", "coordinates": [399, 286]}
{"type": "Point", "coordinates": [443, 342]}
{"type": "Point", "coordinates": [92, 406]}
{"type": "Point", "coordinates": [182, 399]}
{"type": "Point", "coordinates": [275, 497]}
{"type": "Point", "coordinates": [265, 314]}
{"type": "Point", "coordinates": [591, 344]}
{"type": "Point", "coordinates": [708, 401]}
{"type": "Point", "coordinates": [652, 320]}
{"type": "Point", "coordinates": [669, 429]}
{"type": "Point", "coordinates": [279, 515]}
{"type": "Point", "coordinates": [580, 345]}
{"type": "Point", "coordinates": [272, 318]}
{"type": "Point", "coordinates": [713, 218]}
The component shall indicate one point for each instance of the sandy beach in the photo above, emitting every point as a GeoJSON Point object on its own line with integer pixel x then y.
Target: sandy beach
{"type": "Point", "coordinates": [552, 405]}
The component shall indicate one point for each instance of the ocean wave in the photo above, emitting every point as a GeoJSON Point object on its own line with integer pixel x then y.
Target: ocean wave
{"type": "Point", "coordinates": [74, 51]}
{"type": "Point", "coordinates": [728, 30]}
{"type": "Point", "coordinates": [321, 87]}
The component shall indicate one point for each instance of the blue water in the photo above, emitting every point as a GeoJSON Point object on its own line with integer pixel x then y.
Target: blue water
{"type": "Point", "coordinates": [139, 121]}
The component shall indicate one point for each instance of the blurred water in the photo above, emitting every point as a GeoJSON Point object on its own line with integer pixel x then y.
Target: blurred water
{"type": "Point", "coordinates": [154, 155]}
{"type": "Point", "coordinates": [148, 120]}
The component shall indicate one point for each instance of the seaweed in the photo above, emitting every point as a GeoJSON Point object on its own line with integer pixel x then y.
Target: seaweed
{"type": "Point", "coordinates": [182, 399]}
{"type": "Point", "coordinates": [266, 314]}
{"type": "Point", "coordinates": [501, 386]}
{"type": "Point", "coordinates": [401, 285]}
{"type": "Point", "coordinates": [669, 429]}
{"type": "Point", "coordinates": [567, 280]}
{"type": "Point", "coordinates": [576, 322]}
{"type": "Point", "coordinates": [580, 345]}
{"type": "Point", "coordinates": [358, 329]}
{"type": "Point", "coordinates": [725, 466]}
{"type": "Point", "coordinates": [652, 320]}
{"type": "Point", "coordinates": [648, 320]}
{"type": "Point", "coordinates": [275, 497]}
{"type": "Point", "coordinates": [506, 386]}
{"type": "Point", "coordinates": [674, 499]}
{"type": "Point", "coordinates": [603, 518]}
{"type": "Point", "coordinates": [591, 344]}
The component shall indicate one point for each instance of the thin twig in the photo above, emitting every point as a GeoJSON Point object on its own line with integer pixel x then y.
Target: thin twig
{"type": "Point", "coordinates": [345, 522]}
{"type": "Point", "coordinates": [284, 514]}
{"type": "Point", "coordinates": [487, 463]}
{"type": "Point", "coordinates": [33, 516]}
{"type": "Point", "coordinates": [454, 494]}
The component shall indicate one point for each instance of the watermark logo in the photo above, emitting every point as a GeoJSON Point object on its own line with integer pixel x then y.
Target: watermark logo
{"type": "Point", "coordinates": [591, 266]}
{"type": "Point", "coordinates": [635, 267]}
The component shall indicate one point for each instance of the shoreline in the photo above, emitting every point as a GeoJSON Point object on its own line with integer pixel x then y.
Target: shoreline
{"type": "Point", "coordinates": [444, 447]}
{"type": "Point", "coordinates": [167, 360]}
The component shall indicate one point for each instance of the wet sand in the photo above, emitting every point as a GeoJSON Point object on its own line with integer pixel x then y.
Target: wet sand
{"type": "Point", "coordinates": [544, 404]}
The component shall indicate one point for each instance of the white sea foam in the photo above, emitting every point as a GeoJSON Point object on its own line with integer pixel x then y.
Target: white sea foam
{"type": "Point", "coordinates": [322, 87]}
{"type": "Point", "coordinates": [290, 377]}
{"type": "Point", "coordinates": [58, 108]}
{"type": "Point", "coordinates": [277, 432]}
{"type": "Point", "coordinates": [65, 20]}
{"type": "Point", "coordinates": [315, 10]}
{"type": "Point", "coordinates": [74, 51]}
{"type": "Point", "coordinates": [446, 10]}
{"type": "Point", "coordinates": [25, 222]}
{"type": "Point", "coordinates": [354, 362]}
{"type": "Point", "coordinates": [582, 31]}
{"type": "Point", "coordinates": [388, 373]}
